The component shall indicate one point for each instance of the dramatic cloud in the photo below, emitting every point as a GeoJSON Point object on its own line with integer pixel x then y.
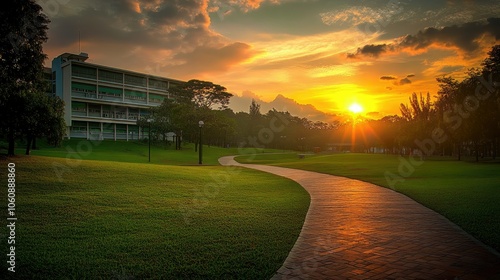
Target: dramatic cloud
{"type": "Point", "coordinates": [358, 15]}
{"type": "Point", "coordinates": [404, 81]}
{"type": "Point", "coordinates": [388, 78]}
{"type": "Point", "coordinates": [169, 37]}
{"type": "Point", "coordinates": [168, 24]}
{"type": "Point", "coordinates": [351, 16]}
{"type": "Point", "coordinates": [401, 82]}
{"type": "Point", "coordinates": [465, 37]}
{"type": "Point", "coordinates": [225, 7]}
{"type": "Point", "coordinates": [371, 50]}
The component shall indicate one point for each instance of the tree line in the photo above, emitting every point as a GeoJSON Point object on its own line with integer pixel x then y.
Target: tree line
{"type": "Point", "coordinates": [464, 119]}
{"type": "Point", "coordinates": [197, 100]}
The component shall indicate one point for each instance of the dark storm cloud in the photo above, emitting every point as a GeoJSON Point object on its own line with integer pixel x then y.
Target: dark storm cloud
{"type": "Point", "coordinates": [464, 37]}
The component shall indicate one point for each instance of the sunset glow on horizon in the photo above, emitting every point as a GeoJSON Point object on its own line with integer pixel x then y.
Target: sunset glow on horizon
{"type": "Point", "coordinates": [320, 55]}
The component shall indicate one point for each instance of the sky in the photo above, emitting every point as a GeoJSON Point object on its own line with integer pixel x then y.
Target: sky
{"type": "Point", "coordinates": [315, 55]}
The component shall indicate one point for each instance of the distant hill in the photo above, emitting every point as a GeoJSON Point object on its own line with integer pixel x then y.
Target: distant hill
{"type": "Point", "coordinates": [281, 103]}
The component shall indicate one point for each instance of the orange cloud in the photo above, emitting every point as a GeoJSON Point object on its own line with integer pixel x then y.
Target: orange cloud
{"type": "Point", "coordinates": [206, 59]}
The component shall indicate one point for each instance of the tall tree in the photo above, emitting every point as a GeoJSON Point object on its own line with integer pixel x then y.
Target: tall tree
{"type": "Point", "coordinates": [491, 74]}
{"type": "Point", "coordinates": [255, 119]}
{"type": "Point", "coordinates": [203, 94]}
{"type": "Point", "coordinates": [255, 110]}
{"type": "Point", "coordinates": [23, 30]}
{"type": "Point", "coordinates": [492, 63]}
{"type": "Point", "coordinates": [417, 116]}
{"type": "Point", "coordinates": [470, 109]}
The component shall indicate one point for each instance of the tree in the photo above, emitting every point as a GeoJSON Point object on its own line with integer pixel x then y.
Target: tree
{"type": "Point", "coordinates": [419, 110]}
{"type": "Point", "coordinates": [203, 94]}
{"type": "Point", "coordinates": [255, 110]}
{"type": "Point", "coordinates": [492, 63]}
{"type": "Point", "coordinates": [255, 119]}
{"type": "Point", "coordinates": [491, 74]}
{"type": "Point", "coordinates": [418, 118]}
{"type": "Point", "coordinates": [469, 110]}
{"type": "Point", "coordinates": [23, 30]}
{"type": "Point", "coordinates": [45, 119]}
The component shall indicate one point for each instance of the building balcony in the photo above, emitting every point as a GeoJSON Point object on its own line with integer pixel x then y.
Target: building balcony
{"type": "Point", "coordinates": [135, 99]}
{"type": "Point", "coordinates": [78, 134]}
{"type": "Point", "coordinates": [109, 98]}
{"type": "Point", "coordinates": [81, 94]}
{"type": "Point", "coordinates": [105, 116]}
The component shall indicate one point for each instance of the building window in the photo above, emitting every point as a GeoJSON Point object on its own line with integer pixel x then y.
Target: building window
{"type": "Point", "coordinates": [95, 128]}
{"type": "Point", "coordinates": [120, 113]}
{"type": "Point", "coordinates": [157, 84]}
{"type": "Point", "coordinates": [78, 126]}
{"type": "Point", "coordinates": [83, 88]}
{"type": "Point", "coordinates": [83, 72]}
{"type": "Point", "coordinates": [156, 98]}
{"type": "Point", "coordinates": [135, 95]}
{"type": "Point", "coordinates": [107, 111]}
{"type": "Point", "coordinates": [109, 76]}
{"type": "Point", "coordinates": [94, 110]}
{"type": "Point", "coordinates": [133, 113]}
{"type": "Point", "coordinates": [78, 108]}
{"type": "Point", "coordinates": [110, 92]}
{"type": "Point", "coordinates": [135, 80]}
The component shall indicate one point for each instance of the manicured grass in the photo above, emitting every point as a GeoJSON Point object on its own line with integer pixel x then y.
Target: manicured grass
{"type": "Point", "coordinates": [112, 220]}
{"type": "Point", "coordinates": [466, 193]}
{"type": "Point", "coordinates": [136, 152]}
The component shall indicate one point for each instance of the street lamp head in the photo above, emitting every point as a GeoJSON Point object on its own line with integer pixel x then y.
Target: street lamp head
{"type": "Point", "coordinates": [201, 123]}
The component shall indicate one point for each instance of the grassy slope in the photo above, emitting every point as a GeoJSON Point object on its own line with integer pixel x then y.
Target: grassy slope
{"type": "Point", "coordinates": [466, 193]}
{"type": "Point", "coordinates": [133, 151]}
{"type": "Point", "coordinates": [121, 220]}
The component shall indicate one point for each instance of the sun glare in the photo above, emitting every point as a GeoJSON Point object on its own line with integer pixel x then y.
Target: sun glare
{"type": "Point", "coordinates": [355, 108]}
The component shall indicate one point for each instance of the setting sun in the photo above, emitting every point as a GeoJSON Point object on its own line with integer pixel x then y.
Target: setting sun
{"type": "Point", "coordinates": [355, 108]}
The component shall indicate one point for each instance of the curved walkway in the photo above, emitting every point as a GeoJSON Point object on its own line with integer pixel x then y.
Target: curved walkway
{"type": "Point", "coordinates": [357, 230]}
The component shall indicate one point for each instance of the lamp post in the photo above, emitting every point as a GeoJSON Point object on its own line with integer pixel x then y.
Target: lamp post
{"type": "Point", "coordinates": [283, 140]}
{"type": "Point", "coordinates": [149, 139]}
{"type": "Point", "coordinates": [302, 144]}
{"type": "Point", "coordinates": [200, 157]}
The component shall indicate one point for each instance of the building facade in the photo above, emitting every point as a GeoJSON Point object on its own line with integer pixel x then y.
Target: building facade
{"type": "Point", "coordinates": [104, 102]}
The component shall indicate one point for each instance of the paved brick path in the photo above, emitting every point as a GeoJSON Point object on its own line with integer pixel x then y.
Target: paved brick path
{"type": "Point", "coordinates": [356, 230]}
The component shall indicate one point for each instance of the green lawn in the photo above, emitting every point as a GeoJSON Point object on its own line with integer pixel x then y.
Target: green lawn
{"type": "Point", "coordinates": [134, 151]}
{"type": "Point", "coordinates": [466, 193]}
{"type": "Point", "coordinates": [112, 220]}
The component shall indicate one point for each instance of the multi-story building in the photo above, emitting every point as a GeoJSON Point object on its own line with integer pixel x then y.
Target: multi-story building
{"type": "Point", "coordinates": [104, 102]}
